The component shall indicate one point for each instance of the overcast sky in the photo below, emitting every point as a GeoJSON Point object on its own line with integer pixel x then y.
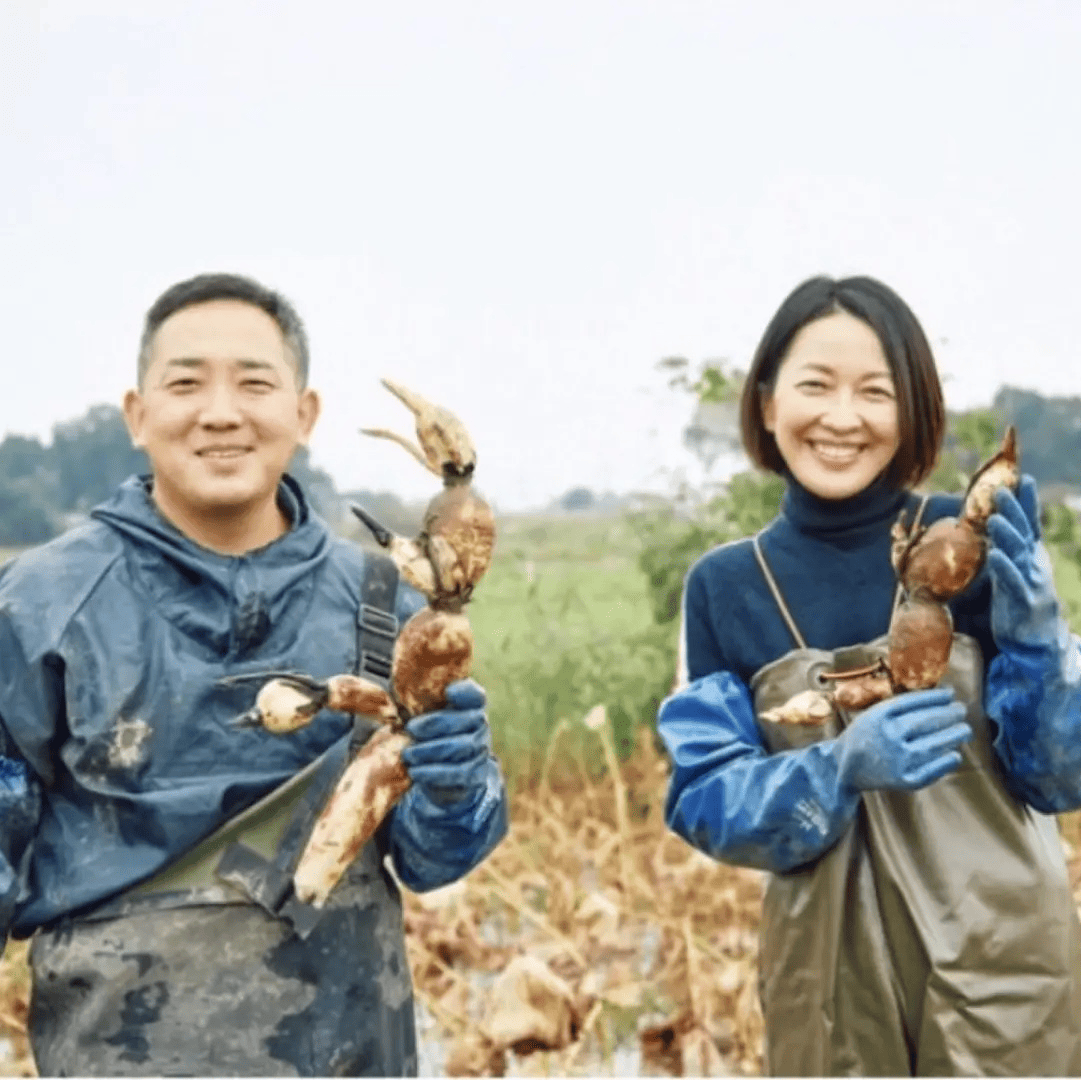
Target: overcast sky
{"type": "Point", "coordinates": [519, 208]}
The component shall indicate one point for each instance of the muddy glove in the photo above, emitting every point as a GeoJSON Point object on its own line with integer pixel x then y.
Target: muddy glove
{"type": "Point", "coordinates": [1033, 690]}
{"type": "Point", "coordinates": [451, 748]}
{"type": "Point", "coordinates": [903, 743]}
{"type": "Point", "coordinates": [1024, 608]}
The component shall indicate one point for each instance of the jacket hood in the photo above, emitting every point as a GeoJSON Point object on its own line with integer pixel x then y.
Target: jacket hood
{"type": "Point", "coordinates": [229, 603]}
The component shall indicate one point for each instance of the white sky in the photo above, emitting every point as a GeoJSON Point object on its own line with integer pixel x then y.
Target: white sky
{"type": "Point", "coordinates": [517, 209]}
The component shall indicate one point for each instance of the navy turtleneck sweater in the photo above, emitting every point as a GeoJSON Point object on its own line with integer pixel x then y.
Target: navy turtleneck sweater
{"type": "Point", "coordinates": [831, 560]}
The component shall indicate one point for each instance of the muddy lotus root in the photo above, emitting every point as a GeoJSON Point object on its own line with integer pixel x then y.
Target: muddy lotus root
{"type": "Point", "coordinates": [444, 562]}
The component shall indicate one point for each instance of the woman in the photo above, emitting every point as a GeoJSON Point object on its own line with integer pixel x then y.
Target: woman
{"type": "Point", "coordinates": [918, 917]}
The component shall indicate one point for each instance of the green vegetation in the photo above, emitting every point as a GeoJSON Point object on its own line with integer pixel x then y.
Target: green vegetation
{"type": "Point", "coordinates": [563, 622]}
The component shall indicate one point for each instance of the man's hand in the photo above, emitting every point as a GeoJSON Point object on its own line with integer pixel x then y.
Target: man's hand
{"type": "Point", "coordinates": [1024, 608]}
{"type": "Point", "coordinates": [449, 754]}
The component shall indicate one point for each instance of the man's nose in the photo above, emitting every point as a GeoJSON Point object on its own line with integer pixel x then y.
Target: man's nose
{"type": "Point", "coordinates": [220, 407]}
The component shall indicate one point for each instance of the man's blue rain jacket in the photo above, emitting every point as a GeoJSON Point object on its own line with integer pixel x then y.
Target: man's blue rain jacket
{"type": "Point", "coordinates": [116, 750]}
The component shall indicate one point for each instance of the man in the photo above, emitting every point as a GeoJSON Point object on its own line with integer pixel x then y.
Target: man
{"type": "Point", "coordinates": [167, 941]}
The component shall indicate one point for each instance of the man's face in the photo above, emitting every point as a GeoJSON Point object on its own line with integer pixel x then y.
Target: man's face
{"type": "Point", "coordinates": [219, 413]}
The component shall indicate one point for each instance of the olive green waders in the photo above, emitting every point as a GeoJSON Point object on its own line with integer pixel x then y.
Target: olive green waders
{"type": "Point", "coordinates": [939, 935]}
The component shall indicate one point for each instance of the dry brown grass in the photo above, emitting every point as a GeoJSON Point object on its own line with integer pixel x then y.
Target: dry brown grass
{"type": "Point", "coordinates": [15, 1059]}
{"type": "Point", "coordinates": [657, 943]}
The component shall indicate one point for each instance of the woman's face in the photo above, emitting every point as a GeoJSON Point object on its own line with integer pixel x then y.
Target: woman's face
{"type": "Point", "coordinates": [833, 409]}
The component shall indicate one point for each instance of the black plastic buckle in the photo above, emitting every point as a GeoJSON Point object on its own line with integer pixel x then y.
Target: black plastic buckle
{"type": "Point", "coordinates": [376, 621]}
{"type": "Point", "coordinates": [378, 632]}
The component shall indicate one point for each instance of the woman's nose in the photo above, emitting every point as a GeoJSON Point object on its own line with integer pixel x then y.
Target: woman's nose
{"type": "Point", "coordinates": [841, 413]}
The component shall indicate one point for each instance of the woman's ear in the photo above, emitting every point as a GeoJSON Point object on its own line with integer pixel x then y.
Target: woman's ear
{"type": "Point", "coordinates": [769, 412]}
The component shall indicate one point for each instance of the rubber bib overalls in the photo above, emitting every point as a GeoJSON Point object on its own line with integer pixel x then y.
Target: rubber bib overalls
{"type": "Point", "coordinates": [938, 936]}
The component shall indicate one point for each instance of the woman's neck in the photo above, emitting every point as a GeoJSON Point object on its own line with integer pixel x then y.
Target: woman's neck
{"type": "Point", "coordinates": [879, 502]}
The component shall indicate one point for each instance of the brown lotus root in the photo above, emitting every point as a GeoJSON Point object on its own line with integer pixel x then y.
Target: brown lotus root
{"type": "Point", "coordinates": [360, 697]}
{"type": "Point", "coordinates": [434, 649]}
{"type": "Point", "coordinates": [921, 636]}
{"type": "Point", "coordinates": [810, 707]}
{"type": "Point", "coordinates": [941, 560]}
{"type": "Point", "coordinates": [863, 691]}
{"type": "Point", "coordinates": [1001, 471]}
{"type": "Point", "coordinates": [460, 530]}
{"type": "Point", "coordinates": [371, 784]}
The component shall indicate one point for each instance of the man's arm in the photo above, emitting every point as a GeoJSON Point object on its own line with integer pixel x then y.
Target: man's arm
{"type": "Point", "coordinates": [20, 809]}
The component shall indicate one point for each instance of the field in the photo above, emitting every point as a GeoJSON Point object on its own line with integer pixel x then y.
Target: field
{"type": "Point", "coordinates": [637, 955]}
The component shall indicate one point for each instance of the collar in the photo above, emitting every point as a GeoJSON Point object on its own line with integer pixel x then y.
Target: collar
{"type": "Point", "coordinates": [879, 503]}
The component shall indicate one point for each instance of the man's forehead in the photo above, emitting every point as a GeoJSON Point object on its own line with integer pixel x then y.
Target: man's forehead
{"type": "Point", "coordinates": [228, 330]}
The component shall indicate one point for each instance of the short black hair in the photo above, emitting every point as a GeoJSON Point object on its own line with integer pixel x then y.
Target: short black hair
{"type": "Point", "coordinates": [921, 412]}
{"type": "Point", "coordinates": [206, 287]}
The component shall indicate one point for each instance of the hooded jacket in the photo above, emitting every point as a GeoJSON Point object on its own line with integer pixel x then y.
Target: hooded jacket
{"type": "Point", "coordinates": [116, 749]}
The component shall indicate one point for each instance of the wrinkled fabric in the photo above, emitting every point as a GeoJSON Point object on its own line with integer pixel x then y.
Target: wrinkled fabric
{"type": "Point", "coordinates": [20, 805]}
{"type": "Point", "coordinates": [135, 996]}
{"type": "Point", "coordinates": [118, 735]}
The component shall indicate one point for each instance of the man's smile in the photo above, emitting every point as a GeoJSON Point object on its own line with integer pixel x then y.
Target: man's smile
{"type": "Point", "coordinates": [223, 452]}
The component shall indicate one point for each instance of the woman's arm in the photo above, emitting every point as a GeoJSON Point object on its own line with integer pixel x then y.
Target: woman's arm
{"type": "Point", "coordinates": [1033, 691]}
{"type": "Point", "coordinates": [735, 801]}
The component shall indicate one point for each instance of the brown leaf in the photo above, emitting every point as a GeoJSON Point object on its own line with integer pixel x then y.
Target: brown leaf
{"type": "Point", "coordinates": [474, 1055]}
{"type": "Point", "coordinates": [531, 1008]}
{"type": "Point", "coordinates": [698, 1054]}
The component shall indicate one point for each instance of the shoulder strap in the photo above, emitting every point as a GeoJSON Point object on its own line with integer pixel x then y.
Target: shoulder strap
{"type": "Point", "coordinates": [377, 624]}
{"type": "Point", "coordinates": [775, 589]}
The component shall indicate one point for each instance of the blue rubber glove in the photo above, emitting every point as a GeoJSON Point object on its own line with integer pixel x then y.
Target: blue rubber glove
{"type": "Point", "coordinates": [451, 748]}
{"type": "Point", "coordinates": [20, 809]}
{"type": "Point", "coordinates": [1033, 691]}
{"type": "Point", "coordinates": [903, 743]}
{"type": "Point", "coordinates": [1024, 608]}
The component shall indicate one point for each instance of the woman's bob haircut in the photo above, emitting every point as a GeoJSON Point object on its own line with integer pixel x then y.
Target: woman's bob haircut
{"type": "Point", "coordinates": [921, 413]}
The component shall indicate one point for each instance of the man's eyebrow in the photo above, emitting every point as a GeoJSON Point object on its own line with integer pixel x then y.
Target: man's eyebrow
{"type": "Point", "coordinates": [198, 361]}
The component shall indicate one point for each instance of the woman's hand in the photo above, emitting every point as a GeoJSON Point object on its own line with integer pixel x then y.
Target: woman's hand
{"type": "Point", "coordinates": [1024, 607]}
{"type": "Point", "coordinates": [903, 743]}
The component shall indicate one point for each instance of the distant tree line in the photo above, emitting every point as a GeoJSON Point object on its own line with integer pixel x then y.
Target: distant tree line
{"type": "Point", "coordinates": [43, 487]}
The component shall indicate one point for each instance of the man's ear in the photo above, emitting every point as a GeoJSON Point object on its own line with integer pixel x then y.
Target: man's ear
{"type": "Point", "coordinates": [134, 411]}
{"type": "Point", "coordinates": [309, 406]}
